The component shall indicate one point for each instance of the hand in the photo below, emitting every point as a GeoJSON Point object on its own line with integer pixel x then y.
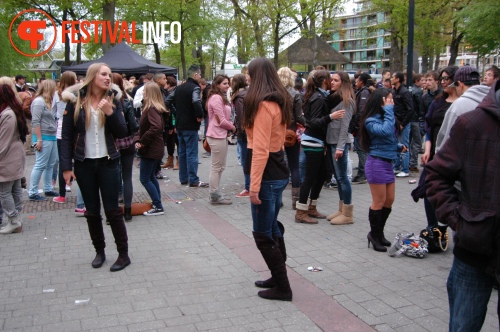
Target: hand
{"type": "Point", "coordinates": [404, 149]}
{"type": "Point", "coordinates": [138, 145]}
{"type": "Point", "coordinates": [254, 198]}
{"type": "Point", "coordinates": [199, 119]}
{"type": "Point", "coordinates": [106, 105]}
{"type": "Point", "coordinates": [337, 114]}
{"type": "Point", "coordinates": [338, 154]}
{"type": "Point", "coordinates": [425, 158]}
{"type": "Point", "coordinates": [68, 175]}
{"type": "Point", "coordinates": [388, 101]}
{"type": "Point", "coordinates": [38, 146]}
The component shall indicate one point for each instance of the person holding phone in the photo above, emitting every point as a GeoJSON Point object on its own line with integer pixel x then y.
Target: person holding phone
{"type": "Point", "coordinates": [93, 119]}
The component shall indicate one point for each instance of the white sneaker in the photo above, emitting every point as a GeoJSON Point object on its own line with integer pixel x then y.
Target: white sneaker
{"type": "Point", "coordinates": [68, 188]}
{"type": "Point", "coordinates": [402, 175]}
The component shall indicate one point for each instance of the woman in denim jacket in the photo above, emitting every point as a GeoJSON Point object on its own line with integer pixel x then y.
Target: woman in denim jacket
{"type": "Point", "coordinates": [378, 138]}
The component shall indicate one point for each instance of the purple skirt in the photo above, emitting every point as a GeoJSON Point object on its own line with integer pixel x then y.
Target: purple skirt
{"type": "Point", "coordinates": [379, 171]}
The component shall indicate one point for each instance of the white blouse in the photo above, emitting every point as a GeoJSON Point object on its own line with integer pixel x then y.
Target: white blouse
{"type": "Point", "coordinates": [95, 140]}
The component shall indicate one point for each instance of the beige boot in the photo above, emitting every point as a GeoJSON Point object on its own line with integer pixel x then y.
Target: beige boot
{"type": "Point", "coordinates": [346, 216]}
{"type": "Point", "coordinates": [176, 167]}
{"type": "Point", "coordinates": [169, 163]}
{"type": "Point", "coordinates": [338, 213]}
{"type": "Point", "coordinates": [295, 197]}
{"type": "Point", "coordinates": [14, 225]}
{"type": "Point", "coordinates": [302, 214]}
{"type": "Point", "coordinates": [312, 210]}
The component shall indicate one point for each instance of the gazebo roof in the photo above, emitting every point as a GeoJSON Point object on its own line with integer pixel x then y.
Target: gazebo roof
{"type": "Point", "coordinates": [301, 52]}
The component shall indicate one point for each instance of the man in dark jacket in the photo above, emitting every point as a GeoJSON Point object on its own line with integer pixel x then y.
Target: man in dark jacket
{"type": "Point", "coordinates": [362, 95]}
{"type": "Point", "coordinates": [403, 111]}
{"type": "Point", "coordinates": [470, 155]}
{"type": "Point", "coordinates": [185, 104]}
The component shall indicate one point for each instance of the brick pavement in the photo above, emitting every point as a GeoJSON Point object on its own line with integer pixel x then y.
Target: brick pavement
{"type": "Point", "coordinates": [193, 269]}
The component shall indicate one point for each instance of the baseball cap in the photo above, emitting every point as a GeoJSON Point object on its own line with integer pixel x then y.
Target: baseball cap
{"type": "Point", "coordinates": [18, 77]}
{"type": "Point", "coordinates": [468, 75]}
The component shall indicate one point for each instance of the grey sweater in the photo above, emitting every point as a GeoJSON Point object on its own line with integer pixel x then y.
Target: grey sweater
{"type": "Point", "coordinates": [43, 117]}
{"type": "Point", "coordinates": [338, 129]}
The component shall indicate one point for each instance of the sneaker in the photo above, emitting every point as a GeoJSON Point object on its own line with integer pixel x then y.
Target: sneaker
{"type": "Point", "coordinates": [154, 212]}
{"type": "Point", "coordinates": [59, 199]}
{"type": "Point", "coordinates": [402, 175]}
{"type": "Point", "coordinates": [68, 188]}
{"type": "Point", "coordinates": [221, 200]}
{"type": "Point", "coordinates": [359, 179]}
{"type": "Point", "coordinates": [244, 193]}
{"type": "Point", "coordinates": [51, 194]}
{"type": "Point", "coordinates": [37, 198]}
{"type": "Point", "coordinates": [206, 155]}
{"type": "Point", "coordinates": [396, 171]}
{"type": "Point", "coordinates": [80, 211]}
{"type": "Point", "coordinates": [199, 184]}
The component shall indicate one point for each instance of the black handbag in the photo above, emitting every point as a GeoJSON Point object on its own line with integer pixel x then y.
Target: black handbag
{"type": "Point", "coordinates": [436, 237]}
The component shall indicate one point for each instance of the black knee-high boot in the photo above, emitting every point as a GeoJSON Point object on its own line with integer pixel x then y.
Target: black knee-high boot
{"type": "Point", "coordinates": [96, 232]}
{"type": "Point", "coordinates": [269, 283]}
{"type": "Point", "coordinates": [274, 259]}
{"type": "Point", "coordinates": [376, 217]}
{"type": "Point", "coordinates": [119, 230]}
{"type": "Point", "coordinates": [386, 212]}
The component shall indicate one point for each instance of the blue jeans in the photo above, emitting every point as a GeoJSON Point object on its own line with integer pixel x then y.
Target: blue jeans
{"type": "Point", "coordinates": [44, 164]}
{"type": "Point", "coordinates": [149, 181]}
{"type": "Point", "coordinates": [80, 204]}
{"type": "Point", "coordinates": [302, 165]}
{"type": "Point", "coordinates": [339, 168]}
{"type": "Point", "coordinates": [96, 176]}
{"type": "Point", "coordinates": [362, 155]}
{"type": "Point", "coordinates": [292, 155]}
{"type": "Point", "coordinates": [188, 156]}
{"type": "Point", "coordinates": [242, 144]}
{"type": "Point", "coordinates": [416, 143]}
{"type": "Point", "coordinates": [469, 291]}
{"type": "Point", "coordinates": [265, 215]}
{"type": "Point", "coordinates": [403, 160]}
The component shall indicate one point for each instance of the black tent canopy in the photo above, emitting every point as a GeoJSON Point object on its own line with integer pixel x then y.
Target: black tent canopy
{"type": "Point", "coordinates": [124, 60]}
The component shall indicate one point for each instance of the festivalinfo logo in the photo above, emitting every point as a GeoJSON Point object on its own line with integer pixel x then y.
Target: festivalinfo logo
{"type": "Point", "coordinates": [35, 26]}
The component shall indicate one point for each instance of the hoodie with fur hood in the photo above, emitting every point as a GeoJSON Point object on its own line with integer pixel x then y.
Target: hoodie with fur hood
{"type": "Point", "coordinates": [73, 134]}
{"type": "Point", "coordinates": [465, 103]}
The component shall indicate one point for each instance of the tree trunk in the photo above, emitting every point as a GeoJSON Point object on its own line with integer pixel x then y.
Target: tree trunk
{"type": "Point", "coordinates": [67, 60]}
{"type": "Point", "coordinates": [224, 50]}
{"type": "Point", "coordinates": [436, 60]}
{"type": "Point", "coordinates": [183, 55]}
{"type": "Point", "coordinates": [108, 14]}
{"type": "Point", "coordinates": [157, 53]}
{"type": "Point", "coordinates": [395, 56]}
{"type": "Point", "coordinates": [276, 40]}
{"type": "Point", "coordinates": [456, 38]}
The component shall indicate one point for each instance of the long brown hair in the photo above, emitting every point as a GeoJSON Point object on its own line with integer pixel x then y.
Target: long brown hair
{"type": "Point", "coordinates": [215, 90]}
{"type": "Point", "coordinates": [265, 86]}
{"type": "Point", "coordinates": [8, 99]}
{"type": "Point", "coordinates": [238, 82]}
{"type": "Point", "coordinates": [373, 107]}
{"type": "Point", "coordinates": [346, 92]}
{"type": "Point", "coordinates": [68, 78]}
{"type": "Point", "coordinates": [314, 82]}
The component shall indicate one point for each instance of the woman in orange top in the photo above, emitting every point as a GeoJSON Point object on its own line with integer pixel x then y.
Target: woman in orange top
{"type": "Point", "coordinates": [268, 108]}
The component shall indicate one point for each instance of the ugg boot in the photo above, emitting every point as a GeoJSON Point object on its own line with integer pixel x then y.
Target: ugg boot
{"type": "Point", "coordinates": [338, 213]}
{"type": "Point", "coordinates": [346, 216]}
{"type": "Point", "coordinates": [386, 213]}
{"type": "Point", "coordinates": [313, 212]}
{"type": "Point", "coordinates": [295, 197]}
{"type": "Point", "coordinates": [127, 213]}
{"type": "Point", "coordinates": [273, 257]}
{"type": "Point", "coordinates": [14, 225]}
{"type": "Point", "coordinates": [375, 217]}
{"type": "Point", "coordinates": [96, 232]}
{"type": "Point", "coordinates": [302, 214]}
{"type": "Point", "coordinates": [169, 163]}
{"type": "Point", "coordinates": [176, 167]}
{"type": "Point", "coordinates": [119, 230]}
{"type": "Point", "coordinates": [269, 283]}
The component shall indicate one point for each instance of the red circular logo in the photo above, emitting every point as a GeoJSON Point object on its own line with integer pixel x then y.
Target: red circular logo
{"type": "Point", "coordinates": [28, 31]}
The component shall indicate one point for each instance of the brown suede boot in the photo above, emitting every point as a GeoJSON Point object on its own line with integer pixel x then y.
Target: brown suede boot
{"type": "Point", "coordinates": [176, 167]}
{"type": "Point", "coordinates": [312, 210]}
{"type": "Point", "coordinates": [302, 214]}
{"type": "Point", "coordinates": [169, 163]}
{"type": "Point", "coordinates": [338, 213]}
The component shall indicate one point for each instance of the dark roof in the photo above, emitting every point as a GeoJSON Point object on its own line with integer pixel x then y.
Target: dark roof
{"type": "Point", "coordinates": [301, 52]}
{"type": "Point", "coordinates": [124, 60]}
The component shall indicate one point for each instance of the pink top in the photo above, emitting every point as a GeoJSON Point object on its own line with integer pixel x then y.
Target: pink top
{"type": "Point", "coordinates": [219, 116]}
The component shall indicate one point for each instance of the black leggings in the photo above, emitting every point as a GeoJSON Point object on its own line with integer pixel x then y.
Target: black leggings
{"type": "Point", "coordinates": [171, 141]}
{"type": "Point", "coordinates": [315, 176]}
{"type": "Point", "coordinates": [127, 162]}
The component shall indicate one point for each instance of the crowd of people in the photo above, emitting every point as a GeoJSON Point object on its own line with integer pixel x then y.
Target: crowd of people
{"type": "Point", "coordinates": [288, 130]}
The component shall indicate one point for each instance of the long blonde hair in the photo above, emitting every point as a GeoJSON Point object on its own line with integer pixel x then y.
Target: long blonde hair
{"type": "Point", "coordinates": [153, 98]}
{"type": "Point", "coordinates": [9, 82]}
{"type": "Point", "coordinates": [87, 86]}
{"type": "Point", "coordinates": [286, 77]}
{"type": "Point", "coordinates": [46, 90]}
